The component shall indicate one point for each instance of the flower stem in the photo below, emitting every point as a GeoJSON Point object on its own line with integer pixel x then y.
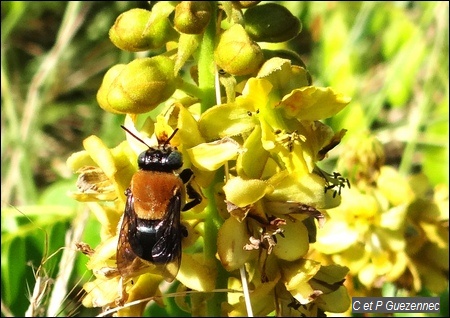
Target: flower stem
{"type": "Point", "coordinates": [213, 222]}
{"type": "Point", "coordinates": [206, 63]}
{"type": "Point", "coordinates": [206, 79]}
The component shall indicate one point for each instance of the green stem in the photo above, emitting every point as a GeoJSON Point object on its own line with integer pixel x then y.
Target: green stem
{"type": "Point", "coordinates": [213, 222]}
{"type": "Point", "coordinates": [190, 89]}
{"type": "Point", "coordinates": [206, 69]}
{"type": "Point", "coordinates": [206, 79]}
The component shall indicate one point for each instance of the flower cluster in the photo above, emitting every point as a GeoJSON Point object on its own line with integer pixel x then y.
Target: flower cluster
{"type": "Point", "coordinates": [253, 154]}
{"type": "Point", "coordinates": [396, 227]}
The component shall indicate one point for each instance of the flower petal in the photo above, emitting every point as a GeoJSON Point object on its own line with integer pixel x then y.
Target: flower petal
{"type": "Point", "coordinates": [294, 244]}
{"type": "Point", "coordinates": [226, 120]}
{"type": "Point", "coordinates": [313, 103]}
{"type": "Point", "coordinates": [296, 274]}
{"type": "Point", "coordinates": [308, 189]}
{"type": "Point", "coordinates": [196, 272]}
{"type": "Point", "coordinates": [245, 192]}
{"type": "Point", "coordinates": [211, 156]}
{"type": "Point", "coordinates": [231, 239]}
{"type": "Point", "coordinates": [284, 76]}
{"type": "Point", "coordinates": [252, 162]}
{"type": "Point", "coordinates": [331, 240]}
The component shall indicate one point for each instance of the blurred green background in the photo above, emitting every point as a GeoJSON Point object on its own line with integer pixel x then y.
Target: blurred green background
{"type": "Point", "coordinates": [390, 57]}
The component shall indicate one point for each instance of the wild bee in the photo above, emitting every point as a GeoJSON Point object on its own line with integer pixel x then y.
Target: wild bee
{"type": "Point", "coordinates": [151, 232]}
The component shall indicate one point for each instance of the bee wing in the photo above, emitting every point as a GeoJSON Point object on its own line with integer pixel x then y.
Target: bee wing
{"type": "Point", "coordinates": [169, 244]}
{"type": "Point", "coordinates": [128, 263]}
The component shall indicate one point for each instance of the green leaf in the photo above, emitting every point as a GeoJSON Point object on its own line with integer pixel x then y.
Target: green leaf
{"type": "Point", "coordinates": [13, 269]}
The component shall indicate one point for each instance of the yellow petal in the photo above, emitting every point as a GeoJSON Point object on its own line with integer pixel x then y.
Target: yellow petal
{"type": "Point", "coordinates": [261, 299]}
{"type": "Point", "coordinates": [245, 192]}
{"type": "Point", "coordinates": [309, 189]}
{"type": "Point", "coordinates": [296, 274]}
{"type": "Point", "coordinates": [197, 273]}
{"type": "Point", "coordinates": [313, 103]}
{"type": "Point", "coordinates": [144, 286]}
{"type": "Point", "coordinates": [100, 292]}
{"type": "Point", "coordinates": [331, 238]}
{"type": "Point", "coordinates": [227, 120]}
{"type": "Point", "coordinates": [252, 162]}
{"type": "Point", "coordinates": [80, 159]}
{"type": "Point", "coordinates": [395, 187]}
{"type": "Point", "coordinates": [231, 239]}
{"type": "Point", "coordinates": [294, 244]}
{"type": "Point", "coordinates": [105, 255]}
{"type": "Point", "coordinates": [368, 275]}
{"type": "Point", "coordinates": [101, 155]}
{"type": "Point", "coordinates": [211, 156]}
{"type": "Point", "coordinates": [284, 76]}
{"type": "Point", "coordinates": [189, 132]}
{"type": "Point", "coordinates": [354, 258]}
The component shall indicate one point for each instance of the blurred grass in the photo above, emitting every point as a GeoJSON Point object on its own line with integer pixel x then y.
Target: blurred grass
{"type": "Point", "coordinates": [390, 57]}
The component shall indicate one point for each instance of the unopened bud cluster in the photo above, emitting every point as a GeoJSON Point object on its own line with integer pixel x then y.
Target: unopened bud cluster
{"type": "Point", "coordinates": [140, 86]}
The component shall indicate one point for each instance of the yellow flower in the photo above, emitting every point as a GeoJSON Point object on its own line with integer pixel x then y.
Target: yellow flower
{"type": "Point", "coordinates": [427, 240]}
{"type": "Point", "coordinates": [274, 192]}
{"type": "Point", "coordinates": [105, 174]}
{"type": "Point", "coordinates": [273, 139]}
{"type": "Point", "coordinates": [365, 234]}
{"type": "Point", "coordinates": [387, 228]}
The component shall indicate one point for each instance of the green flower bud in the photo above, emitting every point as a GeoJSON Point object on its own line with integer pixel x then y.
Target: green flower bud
{"type": "Point", "coordinates": [286, 54]}
{"type": "Point", "coordinates": [362, 158]}
{"type": "Point", "coordinates": [137, 87]}
{"type": "Point", "coordinates": [134, 31]}
{"type": "Point", "coordinates": [271, 22]}
{"type": "Point", "coordinates": [236, 53]}
{"type": "Point", "coordinates": [192, 17]}
{"type": "Point", "coordinates": [108, 79]}
{"type": "Point", "coordinates": [244, 4]}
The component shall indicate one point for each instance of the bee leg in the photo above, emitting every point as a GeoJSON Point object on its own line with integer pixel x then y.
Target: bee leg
{"type": "Point", "coordinates": [184, 230]}
{"type": "Point", "coordinates": [186, 176]}
{"type": "Point", "coordinates": [194, 195]}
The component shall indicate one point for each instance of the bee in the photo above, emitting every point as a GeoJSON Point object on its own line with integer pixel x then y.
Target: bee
{"type": "Point", "coordinates": [151, 232]}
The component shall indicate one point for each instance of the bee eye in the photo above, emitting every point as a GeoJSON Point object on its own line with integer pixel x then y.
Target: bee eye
{"type": "Point", "coordinates": [144, 159]}
{"type": "Point", "coordinates": [174, 159]}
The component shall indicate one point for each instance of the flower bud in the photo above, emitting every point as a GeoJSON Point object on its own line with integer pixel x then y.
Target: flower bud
{"type": "Point", "coordinates": [108, 79]}
{"type": "Point", "coordinates": [285, 54]}
{"type": "Point", "coordinates": [192, 17]}
{"type": "Point", "coordinates": [271, 22]}
{"type": "Point", "coordinates": [137, 87]}
{"type": "Point", "coordinates": [134, 31]}
{"type": "Point", "coordinates": [236, 53]}
{"type": "Point", "coordinates": [244, 4]}
{"type": "Point", "coordinates": [362, 158]}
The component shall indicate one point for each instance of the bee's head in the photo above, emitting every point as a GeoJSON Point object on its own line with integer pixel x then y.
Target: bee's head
{"type": "Point", "coordinates": [164, 159]}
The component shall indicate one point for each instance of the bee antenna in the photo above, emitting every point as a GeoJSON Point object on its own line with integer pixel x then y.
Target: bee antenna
{"type": "Point", "coordinates": [128, 131]}
{"type": "Point", "coordinates": [171, 136]}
